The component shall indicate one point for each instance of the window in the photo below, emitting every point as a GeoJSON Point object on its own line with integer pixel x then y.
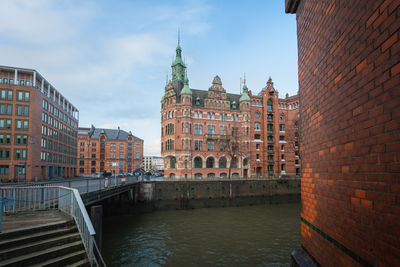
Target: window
{"type": "Point", "coordinates": [44, 104]}
{"type": "Point", "coordinates": [269, 105]}
{"type": "Point", "coordinates": [210, 162]}
{"type": "Point", "coordinates": [5, 109]}
{"type": "Point", "coordinates": [257, 137]}
{"type": "Point", "coordinates": [3, 170]}
{"type": "Point", "coordinates": [281, 117]}
{"type": "Point", "coordinates": [283, 167]}
{"type": "Point", "coordinates": [257, 126]}
{"type": "Point", "coordinates": [20, 153]}
{"type": "Point", "coordinates": [198, 145]}
{"type": "Point", "coordinates": [257, 115]}
{"type": "Point", "coordinates": [281, 138]}
{"type": "Point", "coordinates": [222, 162]}
{"type": "Point", "coordinates": [223, 130]}
{"type": "Point", "coordinates": [4, 153]}
{"type": "Point", "coordinates": [211, 129]}
{"type": "Point", "coordinates": [198, 162]}
{"type": "Point", "coordinates": [5, 139]}
{"type": "Point", "coordinates": [282, 127]}
{"type": "Point", "coordinates": [198, 129]}
{"type": "Point", "coordinates": [172, 162]}
{"type": "Point", "coordinates": [210, 145]}
{"type": "Point", "coordinates": [235, 131]}
{"type": "Point", "coordinates": [282, 147]}
{"type": "Point", "coordinates": [282, 157]}
{"type": "Point", "coordinates": [258, 146]}
{"type": "Point", "coordinates": [258, 156]}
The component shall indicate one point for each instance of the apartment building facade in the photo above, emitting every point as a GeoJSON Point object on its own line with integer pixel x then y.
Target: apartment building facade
{"type": "Point", "coordinates": [38, 128]}
{"type": "Point", "coordinates": [155, 163]}
{"type": "Point", "coordinates": [212, 133]}
{"type": "Point", "coordinates": [108, 150]}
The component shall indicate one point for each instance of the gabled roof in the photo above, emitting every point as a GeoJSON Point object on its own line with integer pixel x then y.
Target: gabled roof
{"type": "Point", "coordinates": [203, 94]}
{"type": "Point", "coordinates": [112, 134]}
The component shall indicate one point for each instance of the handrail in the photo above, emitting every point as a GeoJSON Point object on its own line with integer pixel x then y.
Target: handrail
{"type": "Point", "coordinates": [65, 199]}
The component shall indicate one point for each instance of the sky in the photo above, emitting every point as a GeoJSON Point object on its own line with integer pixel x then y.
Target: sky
{"type": "Point", "coordinates": [111, 59]}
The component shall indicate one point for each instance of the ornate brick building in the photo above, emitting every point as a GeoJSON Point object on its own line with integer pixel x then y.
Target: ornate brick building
{"type": "Point", "coordinates": [38, 128]}
{"type": "Point", "coordinates": [108, 150]}
{"type": "Point", "coordinates": [212, 133]}
{"type": "Point", "coordinates": [349, 86]}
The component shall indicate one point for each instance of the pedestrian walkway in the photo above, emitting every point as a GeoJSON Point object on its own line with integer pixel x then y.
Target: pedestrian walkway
{"type": "Point", "coordinates": [21, 220]}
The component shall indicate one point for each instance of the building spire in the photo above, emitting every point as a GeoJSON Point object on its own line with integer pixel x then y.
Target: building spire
{"type": "Point", "coordinates": [179, 37]}
{"type": "Point", "coordinates": [178, 66]}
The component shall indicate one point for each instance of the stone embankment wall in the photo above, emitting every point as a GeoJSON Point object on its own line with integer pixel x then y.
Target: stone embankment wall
{"type": "Point", "coordinates": [224, 193]}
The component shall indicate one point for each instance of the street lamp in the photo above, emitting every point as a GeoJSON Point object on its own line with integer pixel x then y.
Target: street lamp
{"type": "Point", "coordinates": [26, 155]}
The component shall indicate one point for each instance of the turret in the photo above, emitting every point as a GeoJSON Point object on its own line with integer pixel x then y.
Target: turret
{"type": "Point", "coordinates": [186, 93]}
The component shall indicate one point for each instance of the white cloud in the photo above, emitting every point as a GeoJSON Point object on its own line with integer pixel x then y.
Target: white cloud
{"type": "Point", "coordinates": [105, 67]}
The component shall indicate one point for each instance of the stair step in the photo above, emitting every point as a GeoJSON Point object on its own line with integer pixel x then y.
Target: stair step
{"type": "Point", "coordinates": [39, 245]}
{"type": "Point", "coordinates": [81, 263]}
{"type": "Point", "coordinates": [13, 242]}
{"type": "Point", "coordinates": [15, 233]}
{"type": "Point", "coordinates": [44, 255]}
{"type": "Point", "coordinates": [77, 258]}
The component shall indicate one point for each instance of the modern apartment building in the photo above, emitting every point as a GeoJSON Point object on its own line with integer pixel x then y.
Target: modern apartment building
{"type": "Point", "coordinates": [153, 163]}
{"type": "Point", "coordinates": [212, 133]}
{"type": "Point", "coordinates": [108, 150]}
{"type": "Point", "coordinates": [38, 128]}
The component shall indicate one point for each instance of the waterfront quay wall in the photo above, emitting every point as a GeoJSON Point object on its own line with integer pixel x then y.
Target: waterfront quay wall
{"type": "Point", "coordinates": [194, 194]}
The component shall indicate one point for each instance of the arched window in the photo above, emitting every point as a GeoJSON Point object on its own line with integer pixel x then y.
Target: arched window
{"type": "Point", "coordinates": [213, 116]}
{"type": "Point", "coordinates": [256, 126]}
{"type": "Point", "coordinates": [187, 99]}
{"type": "Point", "coordinates": [198, 162]}
{"type": "Point", "coordinates": [234, 163]}
{"type": "Point", "coordinates": [269, 105]}
{"type": "Point", "coordinates": [224, 117]}
{"type": "Point", "coordinates": [210, 162]}
{"type": "Point", "coordinates": [172, 163]}
{"type": "Point", "coordinates": [222, 162]}
{"type": "Point", "coordinates": [208, 115]}
{"type": "Point", "coordinates": [245, 162]}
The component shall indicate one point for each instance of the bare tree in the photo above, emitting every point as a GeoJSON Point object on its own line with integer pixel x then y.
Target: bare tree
{"type": "Point", "coordinates": [293, 140]}
{"type": "Point", "coordinates": [234, 147]}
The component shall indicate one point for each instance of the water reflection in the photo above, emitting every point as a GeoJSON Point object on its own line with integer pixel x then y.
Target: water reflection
{"type": "Point", "coordinates": [237, 236]}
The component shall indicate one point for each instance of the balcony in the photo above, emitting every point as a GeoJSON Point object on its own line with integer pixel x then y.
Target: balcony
{"type": "Point", "coordinates": [270, 131]}
{"type": "Point", "coordinates": [270, 120]}
{"type": "Point", "coordinates": [270, 142]}
{"type": "Point", "coordinates": [270, 151]}
{"type": "Point", "coordinates": [271, 161]}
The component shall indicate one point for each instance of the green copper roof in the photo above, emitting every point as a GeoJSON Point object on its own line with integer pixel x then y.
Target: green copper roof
{"type": "Point", "coordinates": [178, 66]}
{"type": "Point", "coordinates": [186, 90]}
{"type": "Point", "coordinates": [244, 96]}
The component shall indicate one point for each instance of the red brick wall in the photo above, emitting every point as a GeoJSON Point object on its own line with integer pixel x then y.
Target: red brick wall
{"type": "Point", "coordinates": [349, 77]}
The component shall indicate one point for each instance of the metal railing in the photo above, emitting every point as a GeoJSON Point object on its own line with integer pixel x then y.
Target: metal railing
{"type": "Point", "coordinates": [67, 200]}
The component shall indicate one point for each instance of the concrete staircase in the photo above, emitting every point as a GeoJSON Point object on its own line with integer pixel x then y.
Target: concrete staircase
{"type": "Point", "coordinates": [52, 244]}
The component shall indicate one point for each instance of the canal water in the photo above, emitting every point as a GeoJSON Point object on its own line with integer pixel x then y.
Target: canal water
{"type": "Point", "coordinates": [235, 236]}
